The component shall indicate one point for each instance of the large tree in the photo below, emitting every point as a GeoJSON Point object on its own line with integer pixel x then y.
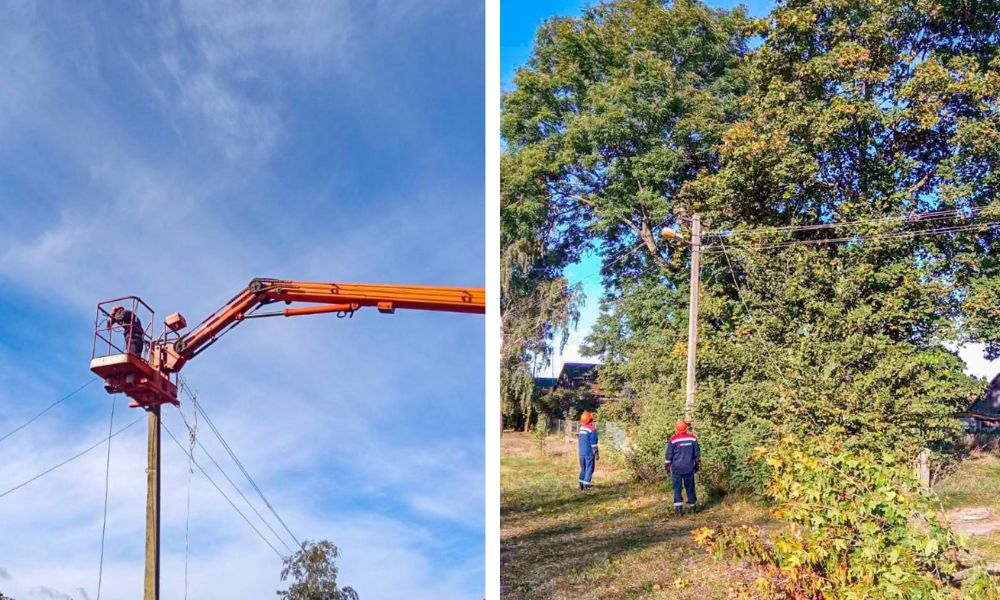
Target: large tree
{"type": "Point", "coordinates": [537, 305]}
{"type": "Point", "coordinates": [616, 110]}
{"type": "Point", "coordinates": [854, 119]}
{"type": "Point", "coordinates": [873, 114]}
{"type": "Point", "coordinates": [613, 112]}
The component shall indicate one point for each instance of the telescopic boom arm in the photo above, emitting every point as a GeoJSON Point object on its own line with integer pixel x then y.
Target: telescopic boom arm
{"type": "Point", "coordinates": [340, 298]}
{"type": "Point", "coordinates": [150, 380]}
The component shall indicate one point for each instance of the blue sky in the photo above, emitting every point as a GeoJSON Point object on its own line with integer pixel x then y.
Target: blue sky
{"type": "Point", "coordinates": [519, 19]}
{"type": "Point", "coordinates": [175, 150]}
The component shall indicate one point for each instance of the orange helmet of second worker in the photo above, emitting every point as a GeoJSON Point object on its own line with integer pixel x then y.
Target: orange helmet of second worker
{"type": "Point", "coordinates": [586, 417]}
{"type": "Point", "coordinates": [681, 426]}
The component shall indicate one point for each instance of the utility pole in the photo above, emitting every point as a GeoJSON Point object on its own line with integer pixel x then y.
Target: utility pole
{"type": "Point", "coordinates": [152, 579]}
{"type": "Point", "coordinates": [693, 315]}
{"type": "Point", "coordinates": [692, 310]}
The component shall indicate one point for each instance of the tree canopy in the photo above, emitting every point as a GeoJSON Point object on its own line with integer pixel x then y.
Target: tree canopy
{"type": "Point", "coordinates": [314, 574]}
{"type": "Point", "coordinates": [875, 124]}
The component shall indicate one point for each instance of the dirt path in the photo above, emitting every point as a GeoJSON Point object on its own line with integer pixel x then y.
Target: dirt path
{"type": "Point", "coordinates": [976, 520]}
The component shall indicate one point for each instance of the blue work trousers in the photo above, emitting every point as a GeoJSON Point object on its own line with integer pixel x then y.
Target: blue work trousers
{"type": "Point", "coordinates": [586, 469]}
{"type": "Point", "coordinates": [685, 481]}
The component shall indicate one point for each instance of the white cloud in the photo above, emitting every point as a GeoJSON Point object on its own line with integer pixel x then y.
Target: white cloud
{"type": "Point", "coordinates": [309, 34]}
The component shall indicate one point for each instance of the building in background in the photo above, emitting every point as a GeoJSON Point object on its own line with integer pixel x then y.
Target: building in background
{"type": "Point", "coordinates": [984, 415]}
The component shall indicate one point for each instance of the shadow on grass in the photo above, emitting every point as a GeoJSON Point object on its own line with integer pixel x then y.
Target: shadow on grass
{"type": "Point", "coordinates": [569, 500]}
{"type": "Point", "coordinates": [547, 555]}
{"type": "Point", "coordinates": [541, 561]}
{"type": "Point", "coordinates": [565, 499]}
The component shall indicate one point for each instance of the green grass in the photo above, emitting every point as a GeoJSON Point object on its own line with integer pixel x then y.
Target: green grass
{"type": "Point", "coordinates": [617, 540]}
{"type": "Point", "coordinates": [975, 483]}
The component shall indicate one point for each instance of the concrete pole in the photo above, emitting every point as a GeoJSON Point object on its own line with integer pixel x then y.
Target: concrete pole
{"type": "Point", "coordinates": [152, 578]}
{"type": "Point", "coordinates": [693, 316]}
{"type": "Point", "coordinates": [924, 468]}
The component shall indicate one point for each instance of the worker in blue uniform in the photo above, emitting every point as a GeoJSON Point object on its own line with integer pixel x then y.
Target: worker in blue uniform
{"type": "Point", "coordinates": [588, 448]}
{"type": "Point", "coordinates": [681, 461]}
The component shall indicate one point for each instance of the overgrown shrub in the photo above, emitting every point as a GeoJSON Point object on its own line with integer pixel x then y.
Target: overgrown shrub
{"type": "Point", "coordinates": [649, 437]}
{"type": "Point", "coordinates": [857, 526]}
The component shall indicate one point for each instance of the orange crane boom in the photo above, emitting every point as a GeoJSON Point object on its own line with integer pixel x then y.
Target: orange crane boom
{"type": "Point", "coordinates": [145, 369]}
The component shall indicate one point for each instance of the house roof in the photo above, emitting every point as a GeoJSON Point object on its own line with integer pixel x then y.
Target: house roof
{"type": "Point", "coordinates": [577, 370]}
{"type": "Point", "coordinates": [989, 405]}
{"type": "Point", "coordinates": [545, 383]}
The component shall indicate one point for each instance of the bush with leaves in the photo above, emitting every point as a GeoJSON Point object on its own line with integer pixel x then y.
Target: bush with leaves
{"type": "Point", "coordinates": [314, 574]}
{"type": "Point", "coordinates": [857, 526]}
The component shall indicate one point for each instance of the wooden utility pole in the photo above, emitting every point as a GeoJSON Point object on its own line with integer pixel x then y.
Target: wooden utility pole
{"type": "Point", "coordinates": [693, 316]}
{"type": "Point", "coordinates": [152, 580]}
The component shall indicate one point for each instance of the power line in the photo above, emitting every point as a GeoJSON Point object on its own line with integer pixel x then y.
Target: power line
{"type": "Point", "coordinates": [47, 409]}
{"type": "Point", "coordinates": [219, 489]}
{"type": "Point", "coordinates": [912, 217]}
{"type": "Point", "coordinates": [746, 307]}
{"type": "Point", "coordinates": [229, 450]}
{"type": "Point", "coordinates": [192, 437]}
{"type": "Point", "coordinates": [232, 483]}
{"type": "Point", "coordinates": [71, 459]}
{"type": "Point", "coordinates": [107, 480]}
{"type": "Point", "coordinates": [859, 238]}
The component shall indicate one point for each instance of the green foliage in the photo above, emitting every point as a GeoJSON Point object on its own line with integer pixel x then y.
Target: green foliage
{"type": "Point", "coordinates": [541, 432]}
{"type": "Point", "coordinates": [566, 403]}
{"type": "Point", "coordinates": [614, 111]}
{"type": "Point", "coordinates": [314, 574]}
{"type": "Point", "coordinates": [535, 307]}
{"type": "Point", "coordinates": [857, 526]}
{"type": "Point", "coordinates": [639, 114]}
{"type": "Point", "coordinates": [650, 436]}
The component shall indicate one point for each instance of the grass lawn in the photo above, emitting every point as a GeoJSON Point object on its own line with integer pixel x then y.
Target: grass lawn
{"type": "Point", "coordinates": [975, 483]}
{"type": "Point", "coordinates": [617, 540]}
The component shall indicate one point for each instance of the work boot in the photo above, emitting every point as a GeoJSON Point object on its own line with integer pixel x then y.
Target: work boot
{"type": "Point", "coordinates": [581, 486]}
{"type": "Point", "coordinates": [693, 507]}
{"type": "Point", "coordinates": [679, 510]}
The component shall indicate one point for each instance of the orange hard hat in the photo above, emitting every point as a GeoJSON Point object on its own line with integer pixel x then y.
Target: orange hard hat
{"type": "Point", "coordinates": [586, 417]}
{"type": "Point", "coordinates": [681, 426]}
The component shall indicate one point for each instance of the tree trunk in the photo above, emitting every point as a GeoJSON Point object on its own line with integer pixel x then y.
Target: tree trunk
{"type": "Point", "coordinates": [646, 235]}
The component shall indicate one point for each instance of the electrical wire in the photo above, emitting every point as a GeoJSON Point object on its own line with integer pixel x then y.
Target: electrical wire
{"type": "Point", "coordinates": [192, 437]}
{"type": "Point", "coordinates": [107, 480]}
{"type": "Point", "coordinates": [859, 238]}
{"type": "Point", "coordinates": [912, 217]}
{"type": "Point", "coordinates": [219, 489]}
{"type": "Point", "coordinates": [232, 455]}
{"type": "Point", "coordinates": [71, 459]}
{"type": "Point", "coordinates": [47, 409]}
{"type": "Point", "coordinates": [746, 307]}
{"type": "Point", "coordinates": [233, 483]}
